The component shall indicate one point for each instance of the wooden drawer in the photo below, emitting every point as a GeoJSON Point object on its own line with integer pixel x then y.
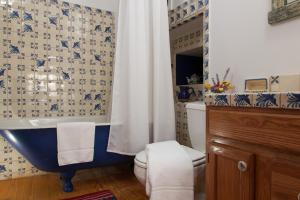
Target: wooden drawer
{"type": "Point", "coordinates": [285, 181]}
{"type": "Point", "coordinates": [276, 128]}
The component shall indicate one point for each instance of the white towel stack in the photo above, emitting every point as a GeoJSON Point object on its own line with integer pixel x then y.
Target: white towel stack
{"type": "Point", "coordinates": [170, 173]}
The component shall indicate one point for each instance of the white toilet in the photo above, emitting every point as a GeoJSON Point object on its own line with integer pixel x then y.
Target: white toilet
{"type": "Point", "coordinates": [196, 126]}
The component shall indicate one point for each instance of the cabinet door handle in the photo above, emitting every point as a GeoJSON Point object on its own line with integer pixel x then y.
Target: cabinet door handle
{"type": "Point", "coordinates": [299, 196]}
{"type": "Point", "coordinates": [242, 165]}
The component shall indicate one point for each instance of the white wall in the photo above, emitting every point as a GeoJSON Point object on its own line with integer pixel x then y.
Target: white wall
{"type": "Point", "coordinates": [240, 37]}
{"type": "Point", "coordinates": [111, 5]}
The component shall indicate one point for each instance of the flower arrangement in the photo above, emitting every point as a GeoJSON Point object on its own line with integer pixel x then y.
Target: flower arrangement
{"type": "Point", "coordinates": [219, 86]}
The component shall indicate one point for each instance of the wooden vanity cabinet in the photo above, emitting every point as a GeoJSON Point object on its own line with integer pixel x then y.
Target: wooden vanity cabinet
{"type": "Point", "coordinates": [252, 154]}
{"type": "Point", "coordinates": [285, 181]}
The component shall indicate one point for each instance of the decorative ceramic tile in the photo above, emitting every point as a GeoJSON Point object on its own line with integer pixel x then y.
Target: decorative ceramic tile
{"type": "Point", "coordinates": [3, 92]}
{"type": "Point", "coordinates": [178, 14]}
{"type": "Point", "coordinates": [3, 88]}
{"type": "Point", "coordinates": [185, 42]}
{"type": "Point", "coordinates": [14, 22]}
{"type": "Point", "coordinates": [221, 100]}
{"type": "Point", "coordinates": [15, 109]}
{"type": "Point", "coordinates": [182, 125]}
{"type": "Point", "coordinates": [172, 16]}
{"type": "Point", "coordinates": [15, 4]}
{"type": "Point", "coordinates": [14, 92]}
{"type": "Point", "coordinates": [29, 4]}
{"type": "Point", "coordinates": [290, 100]}
{"type": "Point", "coordinates": [205, 39]}
{"type": "Point", "coordinates": [50, 59]}
{"type": "Point", "coordinates": [3, 108]}
{"type": "Point", "coordinates": [48, 49]}
{"type": "Point", "coordinates": [242, 100]}
{"type": "Point", "coordinates": [4, 17]}
{"type": "Point", "coordinates": [208, 99]}
{"type": "Point", "coordinates": [266, 100]}
{"type": "Point", "coordinates": [185, 10]}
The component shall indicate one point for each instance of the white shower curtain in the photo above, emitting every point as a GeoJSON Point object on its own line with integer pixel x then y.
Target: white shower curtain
{"type": "Point", "coordinates": [142, 100]}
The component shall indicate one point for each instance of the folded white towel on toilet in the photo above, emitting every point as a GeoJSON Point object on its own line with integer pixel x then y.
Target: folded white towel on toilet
{"type": "Point", "coordinates": [170, 173]}
{"type": "Point", "coordinates": [75, 142]}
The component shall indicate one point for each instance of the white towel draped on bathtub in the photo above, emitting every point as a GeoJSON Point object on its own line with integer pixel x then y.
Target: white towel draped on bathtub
{"type": "Point", "coordinates": [170, 173]}
{"type": "Point", "coordinates": [75, 142]}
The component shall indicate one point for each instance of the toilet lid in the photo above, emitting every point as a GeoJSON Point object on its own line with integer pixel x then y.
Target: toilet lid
{"type": "Point", "coordinates": [196, 156]}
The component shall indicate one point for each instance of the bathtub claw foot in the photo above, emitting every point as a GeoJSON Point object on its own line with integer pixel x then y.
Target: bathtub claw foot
{"type": "Point", "coordinates": [68, 186]}
{"type": "Point", "coordinates": [66, 177]}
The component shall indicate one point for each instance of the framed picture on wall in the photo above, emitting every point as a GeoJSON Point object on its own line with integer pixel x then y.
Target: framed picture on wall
{"type": "Point", "coordinates": [283, 10]}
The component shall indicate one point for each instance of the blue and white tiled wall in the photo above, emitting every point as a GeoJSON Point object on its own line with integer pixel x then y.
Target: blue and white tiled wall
{"type": "Point", "coordinates": [177, 17]}
{"type": "Point", "coordinates": [13, 164]}
{"type": "Point", "coordinates": [206, 41]}
{"type": "Point", "coordinates": [182, 132]}
{"type": "Point", "coordinates": [185, 42]}
{"type": "Point", "coordinates": [190, 39]}
{"type": "Point", "coordinates": [56, 60]}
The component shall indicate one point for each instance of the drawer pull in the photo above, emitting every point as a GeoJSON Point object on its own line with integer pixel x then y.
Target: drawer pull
{"type": "Point", "coordinates": [243, 166]}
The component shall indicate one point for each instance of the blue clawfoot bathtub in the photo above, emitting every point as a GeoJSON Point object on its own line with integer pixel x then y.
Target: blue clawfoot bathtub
{"type": "Point", "coordinates": [39, 147]}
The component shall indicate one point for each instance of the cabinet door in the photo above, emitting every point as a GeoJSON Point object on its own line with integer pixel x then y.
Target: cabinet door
{"type": "Point", "coordinates": [230, 174]}
{"type": "Point", "coordinates": [285, 182]}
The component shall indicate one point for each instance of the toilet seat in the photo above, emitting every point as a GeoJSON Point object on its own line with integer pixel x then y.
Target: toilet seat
{"type": "Point", "coordinates": [197, 157]}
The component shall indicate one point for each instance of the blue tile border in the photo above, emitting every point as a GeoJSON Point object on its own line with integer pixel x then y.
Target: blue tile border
{"type": "Point", "coordinates": [287, 100]}
{"type": "Point", "coordinates": [221, 100]}
{"type": "Point", "coordinates": [290, 100]}
{"type": "Point", "coordinates": [242, 100]}
{"type": "Point", "coordinates": [266, 100]}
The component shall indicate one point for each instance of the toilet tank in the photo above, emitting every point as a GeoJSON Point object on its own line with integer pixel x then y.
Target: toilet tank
{"type": "Point", "coordinates": [197, 124]}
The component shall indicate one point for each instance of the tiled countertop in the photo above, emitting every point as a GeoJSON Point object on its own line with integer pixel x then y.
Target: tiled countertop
{"type": "Point", "coordinates": [288, 100]}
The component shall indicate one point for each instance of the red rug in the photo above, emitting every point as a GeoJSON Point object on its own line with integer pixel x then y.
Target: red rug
{"type": "Point", "coordinates": [102, 195]}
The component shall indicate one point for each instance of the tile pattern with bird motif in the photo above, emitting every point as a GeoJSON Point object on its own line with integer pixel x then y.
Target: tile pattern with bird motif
{"type": "Point", "coordinates": [56, 60]}
{"type": "Point", "coordinates": [51, 52]}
